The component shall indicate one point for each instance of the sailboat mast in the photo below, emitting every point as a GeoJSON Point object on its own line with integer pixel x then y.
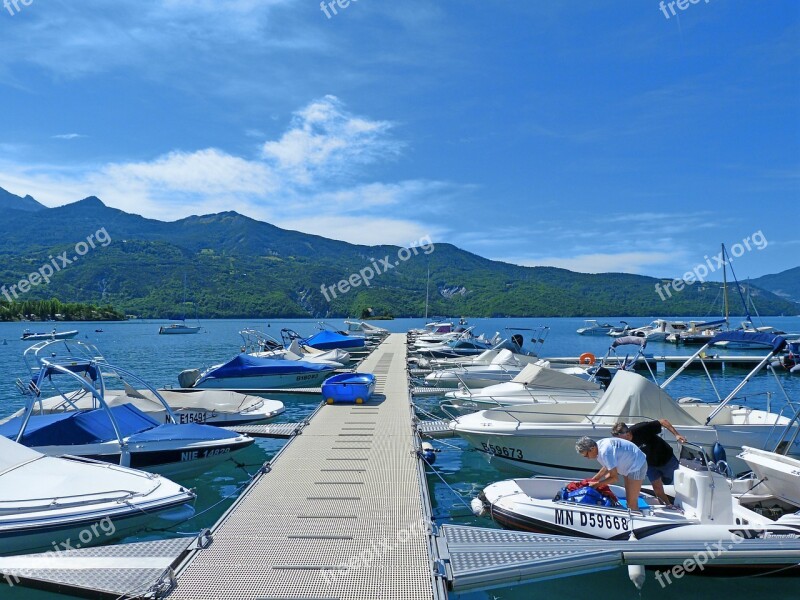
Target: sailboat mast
{"type": "Point", "coordinates": [427, 291]}
{"type": "Point", "coordinates": [725, 286]}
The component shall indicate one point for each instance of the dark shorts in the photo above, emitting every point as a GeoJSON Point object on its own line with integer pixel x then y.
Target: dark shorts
{"type": "Point", "coordinates": [665, 473]}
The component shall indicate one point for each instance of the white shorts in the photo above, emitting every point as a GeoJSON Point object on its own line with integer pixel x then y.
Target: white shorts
{"type": "Point", "coordinates": [639, 474]}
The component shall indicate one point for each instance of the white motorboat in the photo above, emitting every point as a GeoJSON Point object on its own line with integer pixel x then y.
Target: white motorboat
{"type": "Point", "coordinates": [209, 407]}
{"type": "Point", "coordinates": [531, 440]}
{"type": "Point", "coordinates": [262, 345]}
{"type": "Point", "coordinates": [29, 336]}
{"type": "Point", "coordinates": [779, 473]}
{"type": "Point", "coordinates": [592, 327]}
{"type": "Point", "coordinates": [45, 501]}
{"type": "Point", "coordinates": [120, 434]}
{"type": "Point", "coordinates": [371, 332]}
{"type": "Point", "coordinates": [705, 510]}
{"type": "Point", "coordinates": [535, 385]}
{"type": "Point", "coordinates": [503, 367]}
{"type": "Point", "coordinates": [436, 327]}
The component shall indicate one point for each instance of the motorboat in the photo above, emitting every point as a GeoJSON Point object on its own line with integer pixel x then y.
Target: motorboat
{"type": "Point", "coordinates": [327, 339]}
{"type": "Point", "coordinates": [592, 327]}
{"type": "Point", "coordinates": [45, 501]}
{"type": "Point", "coordinates": [503, 367]}
{"type": "Point", "coordinates": [661, 328]}
{"type": "Point", "coordinates": [210, 407]}
{"type": "Point", "coordinates": [704, 510]}
{"type": "Point", "coordinates": [29, 336]}
{"type": "Point", "coordinates": [369, 331]}
{"type": "Point", "coordinates": [531, 440]}
{"type": "Point", "coordinates": [247, 373]}
{"type": "Point", "coordinates": [752, 337]}
{"type": "Point", "coordinates": [178, 329]}
{"type": "Point", "coordinates": [120, 434]}
{"type": "Point", "coordinates": [779, 473]}
{"type": "Point", "coordinates": [535, 385]}
{"type": "Point", "coordinates": [697, 334]}
{"type": "Point", "coordinates": [539, 384]}
{"type": "Point", "coordinates": [435, 327]}
{"type": "Point", "coordinates": [262, 345]}
{"type": "Point", "coordinates": [790, 360]}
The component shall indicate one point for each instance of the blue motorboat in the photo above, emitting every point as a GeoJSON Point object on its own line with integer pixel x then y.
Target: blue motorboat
{"type": "Point", "coordinates": [120, 434]}
{"type": "Point", "coordinates": [329, 340]}
{"type": "Point", "coordinates": [348, 387]}
{"type": "Point", "coordinates": [245, 372]}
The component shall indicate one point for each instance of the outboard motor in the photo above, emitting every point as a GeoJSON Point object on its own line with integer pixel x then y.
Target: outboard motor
{"type": "Point", "coordinates": [603, 376]}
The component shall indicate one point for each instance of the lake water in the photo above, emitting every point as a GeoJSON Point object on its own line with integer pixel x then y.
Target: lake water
{"type": "Point", "coordinates": [137, 346]}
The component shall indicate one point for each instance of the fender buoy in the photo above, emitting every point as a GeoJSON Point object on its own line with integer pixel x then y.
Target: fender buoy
{"type": "Point", "coordinates": [587, 358]}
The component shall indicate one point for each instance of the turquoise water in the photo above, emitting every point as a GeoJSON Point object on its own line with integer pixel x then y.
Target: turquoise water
{"type": "Point", "coordinates": [158, 359]}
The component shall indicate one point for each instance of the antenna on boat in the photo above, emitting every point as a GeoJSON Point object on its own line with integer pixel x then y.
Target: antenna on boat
{"type": "Point", "coordinates": [725, 287]}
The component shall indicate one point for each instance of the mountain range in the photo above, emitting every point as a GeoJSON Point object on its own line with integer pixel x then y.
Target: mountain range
{"type": "Point", "coordinates": [236, 267]}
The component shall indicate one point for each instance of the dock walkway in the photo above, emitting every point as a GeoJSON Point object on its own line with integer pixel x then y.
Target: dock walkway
{"type": "Point", "coordinates": [342, 513]}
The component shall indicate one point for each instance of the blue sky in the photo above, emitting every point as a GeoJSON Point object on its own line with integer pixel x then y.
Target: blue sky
{"type": "Point", "coordinates": [596, 136]}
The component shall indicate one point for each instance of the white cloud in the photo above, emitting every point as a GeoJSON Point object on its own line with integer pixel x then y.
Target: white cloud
{"type": "Point", "coordinates": [69, 136]}
{"type": "Point", "coordinates": [325, 140]}
{"type": "Point", "coordinates": [624, 262]}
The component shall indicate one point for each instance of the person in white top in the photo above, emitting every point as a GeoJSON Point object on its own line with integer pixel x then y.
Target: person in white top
{"type": "Point", "coordinates": [618, 457]}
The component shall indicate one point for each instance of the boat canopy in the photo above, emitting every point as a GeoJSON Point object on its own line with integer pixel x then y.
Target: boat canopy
{"type": "Point", "coordinates": [13, 454]}
{"type": "Point", "coordinates": [541, 377]}
{"type": "Point", "coordinates": [245, 365]}
{"type": "Point", "coordinates": [632, 340]}
{"type": "Point", "coordinates": [185, 431]}
{"type": "Point", "coordinates": [79, 427]}
{"type": "Point", "coordinates": [329, 340]}
{"type": "Point", "coordinates": [775, 342]}
{"type": "Point", "coordinates": [632, 398]}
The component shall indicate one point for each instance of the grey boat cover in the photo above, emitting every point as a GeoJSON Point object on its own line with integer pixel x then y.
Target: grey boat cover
{"type": "Point", "coordinates": [633, 398]}
{"type": "Point", "coordinates": [535, 376]}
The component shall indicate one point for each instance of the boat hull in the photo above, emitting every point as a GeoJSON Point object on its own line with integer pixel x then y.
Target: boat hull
{"type": "Point", "coordinates": [266, 382]}
{"type": "Point", "coordinates": [550, 449]}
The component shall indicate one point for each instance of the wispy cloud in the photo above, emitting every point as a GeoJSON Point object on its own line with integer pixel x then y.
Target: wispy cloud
{"type": "Point", "coordinates": [624, 262]}
{"type": "Point", "coordinates": [69, 136]}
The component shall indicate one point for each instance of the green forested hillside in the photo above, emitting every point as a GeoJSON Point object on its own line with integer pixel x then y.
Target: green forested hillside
{"type": "Point", "coordinates": [235, 266]}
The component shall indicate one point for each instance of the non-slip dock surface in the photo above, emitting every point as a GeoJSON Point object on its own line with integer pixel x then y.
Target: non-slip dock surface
{"type": "Point", "coordinates": [340, 515]}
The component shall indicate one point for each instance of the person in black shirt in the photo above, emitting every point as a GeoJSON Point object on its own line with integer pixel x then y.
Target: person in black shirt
{"type": "Point", "coordinates": [661, 462]}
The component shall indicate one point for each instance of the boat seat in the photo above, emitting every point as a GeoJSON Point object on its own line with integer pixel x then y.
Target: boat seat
{"type": "Point", "coordinates": [703, 494]}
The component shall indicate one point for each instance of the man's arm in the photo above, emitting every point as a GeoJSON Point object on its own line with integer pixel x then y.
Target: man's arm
{"type": "Point", "coordinates": [604, 477]}
{"type": "Point", "coordinates": [668, 426]}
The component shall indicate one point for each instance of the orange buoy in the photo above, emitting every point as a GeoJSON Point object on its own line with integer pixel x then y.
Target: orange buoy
{"type": "Point", "coordinates": [587, 358]}
{"type": "Point", "coordinates": [330, 400]}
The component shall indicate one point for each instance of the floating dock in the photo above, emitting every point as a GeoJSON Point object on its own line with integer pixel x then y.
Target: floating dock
{"type": "Point", "coordinates": [342, 512]}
